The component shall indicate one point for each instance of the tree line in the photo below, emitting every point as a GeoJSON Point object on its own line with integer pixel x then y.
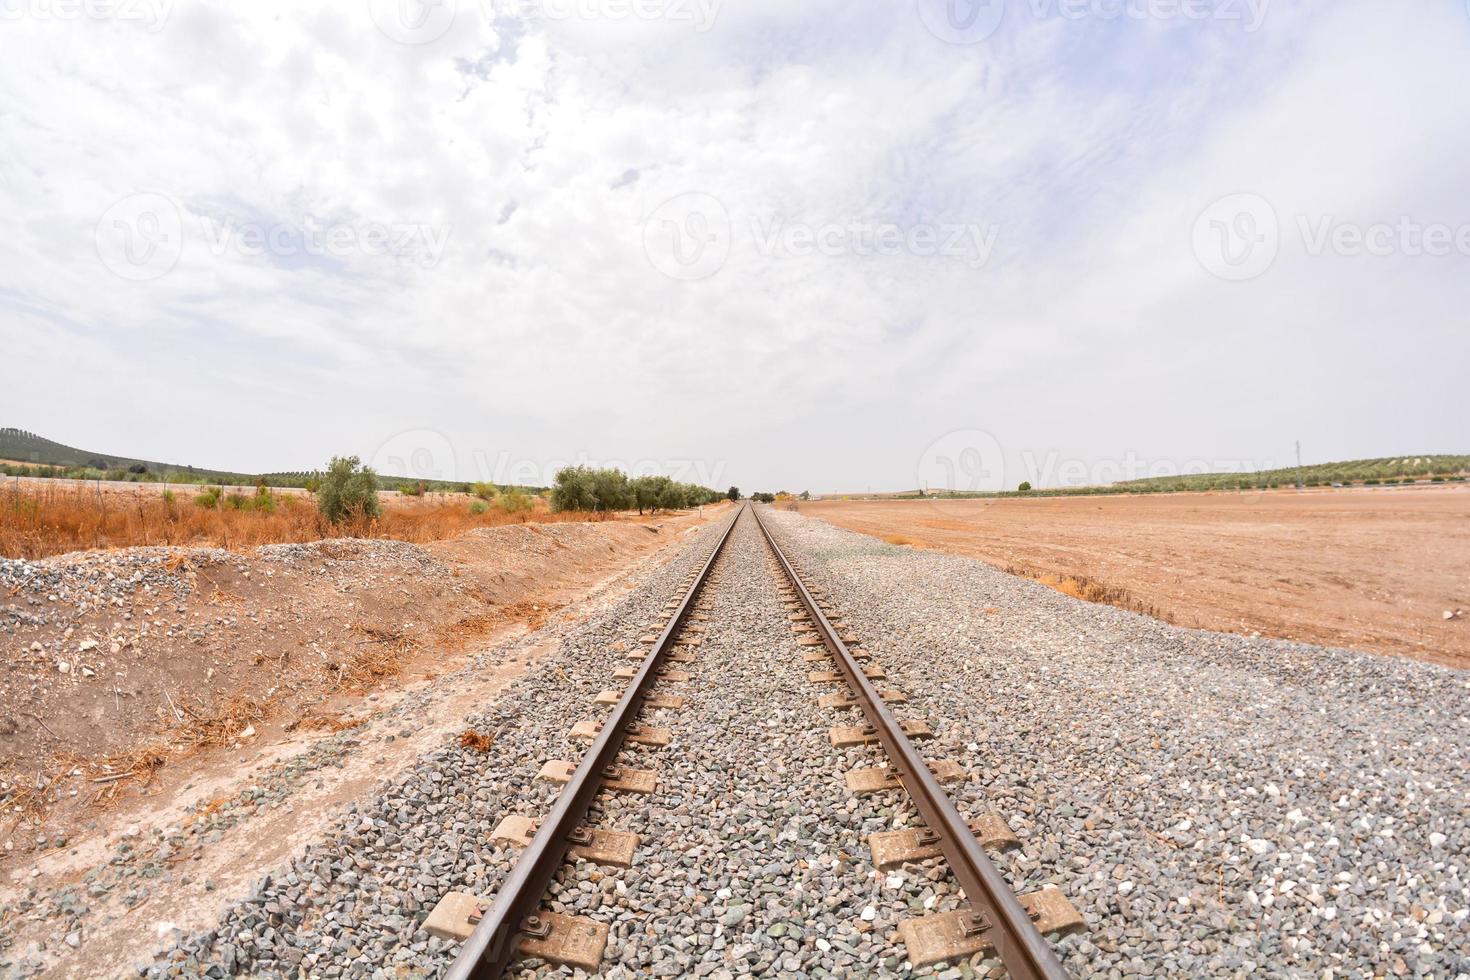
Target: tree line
{"type": "Point", "coordinates": [600, 490]}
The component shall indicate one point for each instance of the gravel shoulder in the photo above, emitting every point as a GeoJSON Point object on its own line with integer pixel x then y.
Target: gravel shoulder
{"type": "Point", "coordinates": [1219, 805]}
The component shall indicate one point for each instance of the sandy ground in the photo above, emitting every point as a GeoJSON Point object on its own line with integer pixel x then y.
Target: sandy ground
{"type": "Point", "coordinates": [452, 602]}
{"type": "Point", "coordinates": [1362, 568]}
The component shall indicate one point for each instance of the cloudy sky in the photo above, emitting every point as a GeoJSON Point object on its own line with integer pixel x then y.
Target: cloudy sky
{"type": "Point", "coordinates": [823, 245]}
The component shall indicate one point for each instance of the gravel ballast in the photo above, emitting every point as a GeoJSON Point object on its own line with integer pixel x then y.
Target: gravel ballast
{"type": "Point", "coordinates": [1214, 805]}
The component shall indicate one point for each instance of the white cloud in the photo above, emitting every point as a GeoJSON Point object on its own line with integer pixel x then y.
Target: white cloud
{"type": "Point", "coordinates": [534, 148]}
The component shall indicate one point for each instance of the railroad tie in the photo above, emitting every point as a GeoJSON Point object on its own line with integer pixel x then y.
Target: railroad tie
{"type": "Point", "coordinates": [964, 932]}
{"type": "Point", "coordinates": [637, 733]}
{"type": "Point", "coordinates": [833, 677]}
{"type": "Point", "coordinates": [654, 702]}
{"type": "Point", "coordinates": [663, 674]}
{"type": "Point", "coordinates": [614, 779]}
{"type": "Point", "coordinates": [613, 848]}
{"type": "Point", "coordinates": [895, 848]}
{"type": "Point", "coordinates": [845, 736]}
{"type": "Point", "coordinates": [675, 656]}
{"type": "Point", "coordinates": [845, 701]}
{"type": "Point", "coordinates": [863, 782]}
{"type": "Point", "coordinates": [566, 940]}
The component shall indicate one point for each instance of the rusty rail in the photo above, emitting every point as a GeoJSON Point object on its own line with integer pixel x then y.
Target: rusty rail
{"type": "Point", "coordinates": [1015, 938]}
{"type": "Point", "coordinates": [493, 944]}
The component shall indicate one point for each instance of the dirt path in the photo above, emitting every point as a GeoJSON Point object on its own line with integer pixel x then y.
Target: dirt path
{"type": "Point", "coordinates": [1366, 569]}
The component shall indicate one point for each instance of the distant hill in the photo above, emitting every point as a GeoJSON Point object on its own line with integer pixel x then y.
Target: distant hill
{"type": "Point", "coordinates": [21, 446]}
{"type": "Point", "coordinates": [38, 456]}
{"type": "Point", "coordinates": [1429, 467]}
{"type": "Point", "coordinates": [1393, 469]}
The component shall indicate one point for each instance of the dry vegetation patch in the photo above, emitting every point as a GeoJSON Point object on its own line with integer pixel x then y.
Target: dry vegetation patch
{"type": "Point", "coordinates": [43, 518]}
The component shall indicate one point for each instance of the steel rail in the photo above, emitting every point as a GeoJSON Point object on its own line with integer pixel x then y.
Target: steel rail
{"type": "Point", "coordinates": [492, 947]}
{"type": "Point", "coordinates": [1015, 938]}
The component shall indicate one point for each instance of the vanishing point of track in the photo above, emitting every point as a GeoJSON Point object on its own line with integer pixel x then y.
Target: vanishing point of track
{"type": "Point", "coordinates": [513, 924]}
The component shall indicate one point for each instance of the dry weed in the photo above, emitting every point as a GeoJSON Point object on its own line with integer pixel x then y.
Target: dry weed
{"type": "Point", "coordinates": [1089, 590]}
{"type": "Point", "coordinates": [326, 723]}
{"type": "Point", "coordinates": [37, 521]}
{"type": "Point", "coordinates": [475, 742]}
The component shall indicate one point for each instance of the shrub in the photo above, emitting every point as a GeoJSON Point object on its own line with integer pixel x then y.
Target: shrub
{"type": "Point", "coordinates": [265, 501]}
{"type": "Point", "coordinates": [515, 501]}
{"type": "Point", "coordinates": [1025, 487]}
{"type": "Point", "coordinates": [485, 491]}
{"type": "Point", "coordinates": [479, 507]}
{"type": "Point", "coordinates": [349, 489]}
{"type": "Point", "coordinates": [209, 499]}
{"type": "Point", "coordinates": [312, 484]}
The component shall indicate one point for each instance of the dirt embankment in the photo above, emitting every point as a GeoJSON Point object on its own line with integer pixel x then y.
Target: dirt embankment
{"type": "Point", "coordinates": [1366, 569]}
{"type": "Point", "coordinates": [124, 669]}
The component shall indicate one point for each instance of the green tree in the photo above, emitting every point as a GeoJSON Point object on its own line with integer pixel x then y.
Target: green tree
{"type": "Point", "coordinates": [610, 490]}
{"type": "Point", "coordinates": [646, 491]}
{"type": "Point", "coordinates": [348, 489]}
{"type": "Point", "coordinates": [586, 488]}
{"type": "Point", "coordinates": [573, 489]}
{"type": "Point", "coordinates": [1025, 486]}
{"type": "Point", "coordinates": [672, 496]}
{"type": "Point", "coordinates": [733, 493]}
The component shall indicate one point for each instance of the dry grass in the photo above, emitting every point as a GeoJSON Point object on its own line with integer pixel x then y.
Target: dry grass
{"type": "Point", "coordinates": [1088, 590]}
{"type": "Point", "coordinates": [475, 742]}
{"type": "Point", "coordinates": [37, 521]}
{"type": "Point", "coordinates": [898, 539]}
{"type": "Point", "coordinates": [326, 723]}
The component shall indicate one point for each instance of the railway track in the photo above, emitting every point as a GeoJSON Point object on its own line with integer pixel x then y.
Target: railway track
{"type": "Point", "coordinates": [495, 933]}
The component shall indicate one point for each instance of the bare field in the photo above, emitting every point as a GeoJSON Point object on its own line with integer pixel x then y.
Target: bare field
{"type": "Point", "coordinates": [1366, 569]}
